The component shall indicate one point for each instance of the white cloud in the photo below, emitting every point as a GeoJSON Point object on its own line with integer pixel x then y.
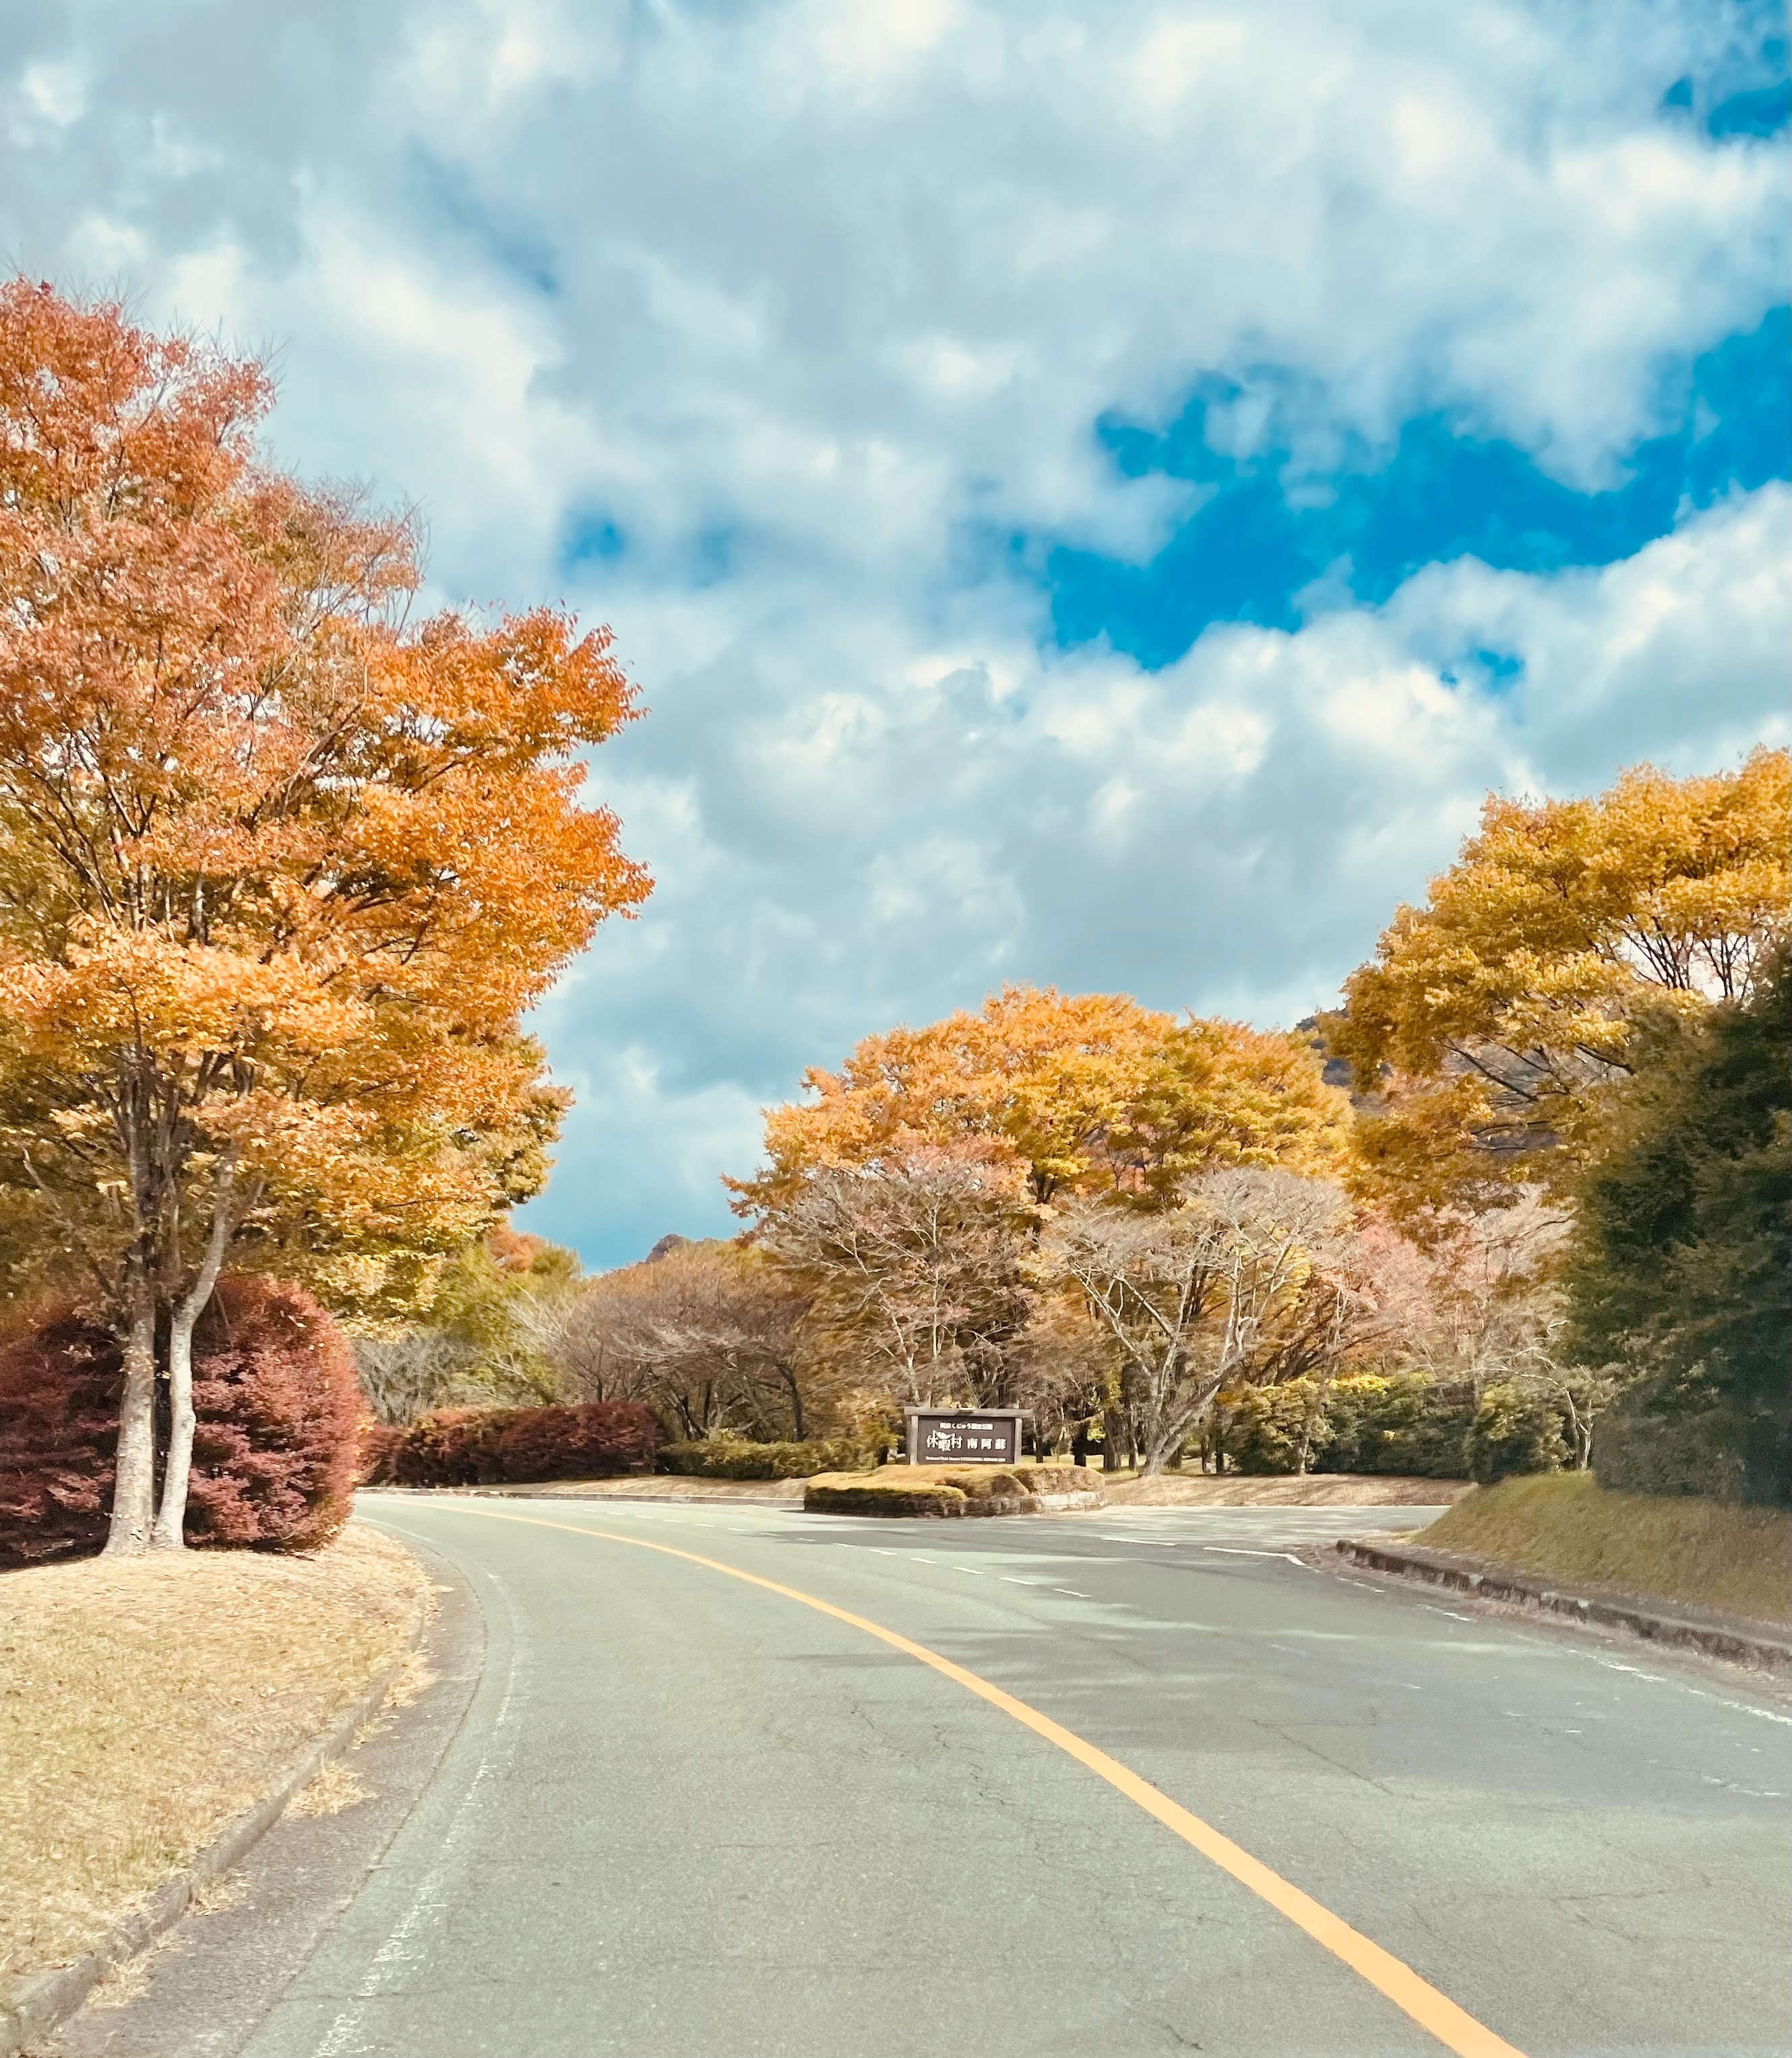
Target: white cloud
{"type": "Point", "coordinates": [817, 305]}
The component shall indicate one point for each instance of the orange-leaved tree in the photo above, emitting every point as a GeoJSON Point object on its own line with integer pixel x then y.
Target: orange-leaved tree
{"type": "Point", "coordinates": [1500, 1019]}
{"type": "Point", "coordinates": [1090, 1093]}
{"type": "Point", "coordinates": [280, 868]}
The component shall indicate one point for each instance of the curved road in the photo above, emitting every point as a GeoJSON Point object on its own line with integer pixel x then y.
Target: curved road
{"type": "Point", "coordinates": [679, 1814]}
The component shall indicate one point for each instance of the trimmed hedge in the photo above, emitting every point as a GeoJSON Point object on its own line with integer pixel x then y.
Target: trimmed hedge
{"type": "Point", "coordinates": [279, 1402]}
{"type": "Point", "coordinates": [515, 1446]}
{"type": "Point", "coordinates": [60, 1379]}
{"type": "Point", "coordinates": [733, 1458]}
{"type": "Point", "coordinates": [872, 1496]}
{"type": "Point", "coordinates": [945, 1490]}
{"type": "Point", "coordinates": [273, 1460]}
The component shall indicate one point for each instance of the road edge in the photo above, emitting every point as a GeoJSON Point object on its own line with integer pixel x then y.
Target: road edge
{"type": "Point", "coordinates": [39, 2003]}
{"type": "Point", "coordinates": [1486, 1580]}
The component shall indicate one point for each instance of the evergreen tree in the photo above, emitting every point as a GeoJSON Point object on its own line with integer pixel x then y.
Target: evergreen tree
{"type": "Point", "coordinates": [1685, 1263]}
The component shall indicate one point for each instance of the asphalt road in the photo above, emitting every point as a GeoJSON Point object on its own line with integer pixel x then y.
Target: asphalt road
{"type": "Point", "coordinates": [675, 1814]}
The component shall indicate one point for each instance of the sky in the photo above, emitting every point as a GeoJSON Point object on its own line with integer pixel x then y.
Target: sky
{"type": "Point", "coordinates": [1091, 494]}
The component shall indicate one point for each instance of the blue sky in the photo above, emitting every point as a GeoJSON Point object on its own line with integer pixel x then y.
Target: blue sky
{"type": "Point", "coordinates": [1092, 494]}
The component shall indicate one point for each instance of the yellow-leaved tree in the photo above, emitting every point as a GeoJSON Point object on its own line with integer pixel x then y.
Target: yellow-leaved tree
{"type": "Point", "coordinates": [1498, 1021]}
{"type": "Point", "coordinates": [1089, 1092]}
{"type": "Point", "coordinates": [280, 868]}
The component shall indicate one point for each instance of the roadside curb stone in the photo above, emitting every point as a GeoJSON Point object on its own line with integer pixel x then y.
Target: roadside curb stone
{"type": "Point", "coordinates": [39, 2003]}
{"type": "Point", "coordinates": [624, 1499]}
{"type": "Point", "coordinates": [1733, 1638]}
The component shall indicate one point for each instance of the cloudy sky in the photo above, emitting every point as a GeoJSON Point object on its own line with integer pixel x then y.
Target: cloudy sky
{"type": "Point", "coordinates": [1093, 491]}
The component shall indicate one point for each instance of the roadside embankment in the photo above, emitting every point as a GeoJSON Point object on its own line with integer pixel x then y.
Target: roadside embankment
{"type": "Point", "coordinates": [146, 1704]}
{"type": "Point", "coordinates": [1706, 1553]}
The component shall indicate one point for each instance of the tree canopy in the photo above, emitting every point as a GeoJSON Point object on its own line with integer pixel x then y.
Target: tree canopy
{"type": "Point", "coordinates": [1499, 1020]}
{"type": "Point", "coordinates": [1088, 1092]}
{"type": "Point", "coordinates": [1684, 1258]}
{"type": "Point", "coordinates": [280, 867]}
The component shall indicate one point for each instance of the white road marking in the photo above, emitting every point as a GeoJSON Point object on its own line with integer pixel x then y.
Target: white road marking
{"type": "Point", "coordinates": [1237, 1551]}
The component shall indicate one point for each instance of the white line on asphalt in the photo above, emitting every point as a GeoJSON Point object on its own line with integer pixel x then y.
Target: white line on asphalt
{"type": "Point", "coordinates": [1662, 1679]}
{"type": "Point", "coordinates": [1072, 1591]}
{"type": "Point", "coordinates": [1237, 1551]}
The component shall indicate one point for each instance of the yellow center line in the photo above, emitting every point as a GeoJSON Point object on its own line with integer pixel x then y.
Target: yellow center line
{"type": "Point", "coordinates": [1435, 2012]}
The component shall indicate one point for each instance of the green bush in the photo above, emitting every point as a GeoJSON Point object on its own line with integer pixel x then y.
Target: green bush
{"type": "Point", "coordinates": [874, 1496]}
{"type": "Point", "coordinates": [1514, 1432]}
{"type": "Point", "coordinates": [733, 1458]}
{"type": "Point", "coordinates": [1266, 1426]}
{"type": "Point", "coordinates": [1405, 1423]}
{"type": "Point", "coordinates": [1677, 1441]}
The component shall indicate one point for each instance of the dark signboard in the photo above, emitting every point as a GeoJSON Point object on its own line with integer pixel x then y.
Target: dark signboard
{"type": "Point", "coordinates": [959, 1436]}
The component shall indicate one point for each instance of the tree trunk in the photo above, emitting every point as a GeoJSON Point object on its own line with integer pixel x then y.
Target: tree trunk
{"type": "Point", "coordinates": [796, 1401]}
{"type": "Point", "coordinates": [169, 1533]}
{"type": "Point", "coordinates": [133, 1488]}
{"type": "Point", "coordinates": [170, 1530]}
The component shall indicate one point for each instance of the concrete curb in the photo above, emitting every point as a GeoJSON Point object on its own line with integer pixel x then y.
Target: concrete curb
{"type": "Point", "coordinates": [39, 2003]}
{"type": "Point", "coordinates": [1739, 1642]}
{"type": "Point", "coordinates": [657, 1500]}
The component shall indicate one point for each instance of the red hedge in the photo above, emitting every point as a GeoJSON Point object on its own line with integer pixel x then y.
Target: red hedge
{"type": "Point", "coordinates": [376, 1463]}
{"type": "Point", "coordinates": [454, 1447]}
{"type": "Point", "coordinates": [279, 1405]}
{"type": "Point", "coordinates": [59, 1380]}
{"type": "Point", "coordinates": [578, 1443]}
{"type": "Point", "coordinates": [274, 1391]}
{"type": "Point", "coordinates": [479, 1447]}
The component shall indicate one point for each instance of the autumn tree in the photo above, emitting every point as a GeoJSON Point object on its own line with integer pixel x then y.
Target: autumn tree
{"type": "Point", "coordinates": [916, 1260]}
{"type": "Point", "coordinates": [708, 1335]}
{"type": "Point", "coordinates": [280, 868]}
{"type": "Point", "coordinates": [1192, 1294]}
{"type": "Point", "coordinates": [1499, 1021]}
{"type": "Point", "coordinates": [480, 1340]}
{"type": "Point", "coordinates": [1087, 1093]}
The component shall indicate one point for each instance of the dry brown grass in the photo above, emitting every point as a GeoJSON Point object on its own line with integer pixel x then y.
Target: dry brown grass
{"type": "Point", "coordinates": [1313, 1490]}
{"type": "Point", "coordinates": [1736, 1560]}
{"type": "Point", "coordinates": [329, 1790]}
{"type": "Point", "coordinates": [143, 1704]}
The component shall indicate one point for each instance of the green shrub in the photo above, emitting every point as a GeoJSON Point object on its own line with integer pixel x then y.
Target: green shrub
{"type": "Point", "coordinates": [1405, 1423]}
{"type": "Point", "coordinates": [1515, 1431]}
{"type": "Point", "coordinates": [945, 1489]}
{"type": "Point", "coordinates": [1667, 1443]}
{"type": "Point", "coordinates": [1266, 1425]}
{"type": "Point", "coordinates": [733, 1458]}
{"type": "Point", "coordinates": [873, 1496]}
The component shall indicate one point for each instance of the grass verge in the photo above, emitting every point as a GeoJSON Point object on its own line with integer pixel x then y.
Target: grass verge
{"type": "Point", "coordinates": [145, 1703]}
{"type": "Point", "coordinates": [1677, 1548]}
